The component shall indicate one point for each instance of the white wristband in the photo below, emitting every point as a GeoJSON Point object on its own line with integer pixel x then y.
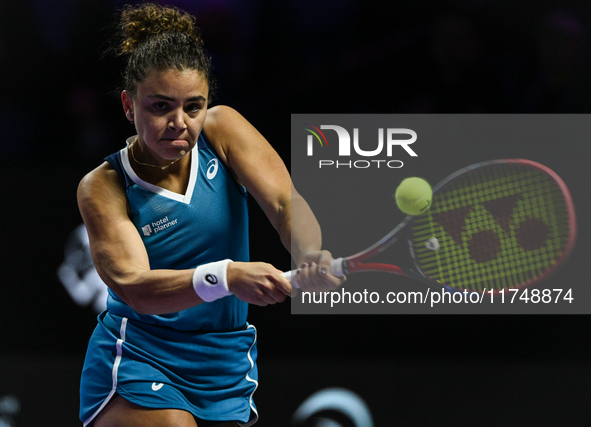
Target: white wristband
{"type": "Point", "coordinates": [210, 282]}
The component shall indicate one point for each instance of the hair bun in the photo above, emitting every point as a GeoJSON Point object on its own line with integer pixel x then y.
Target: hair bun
{"type": "Point", "coordinates": [139, 23]}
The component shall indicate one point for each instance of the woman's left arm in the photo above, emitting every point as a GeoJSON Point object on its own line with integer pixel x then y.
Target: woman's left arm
{"type": "Point", "coordinates": [258, 167]}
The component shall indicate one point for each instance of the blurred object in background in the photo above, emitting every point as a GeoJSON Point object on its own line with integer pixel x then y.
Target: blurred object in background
{"type": "Point", "coordinates": [333, 407]}
{"type": "Point", "coordinates": [10, 407]}
{"type": "Point", "coordinates": [78, 274]}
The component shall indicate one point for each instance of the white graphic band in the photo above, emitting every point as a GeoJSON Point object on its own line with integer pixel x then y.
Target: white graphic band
{"type": "Point", "coordinates": [209, 280]}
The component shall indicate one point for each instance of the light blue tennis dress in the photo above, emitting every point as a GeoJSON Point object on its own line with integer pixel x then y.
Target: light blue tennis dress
{"type": "Point", "coordinates": [203, 359]}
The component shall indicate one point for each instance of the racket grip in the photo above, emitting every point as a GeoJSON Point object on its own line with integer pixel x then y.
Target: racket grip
{"type": "Point", "coordinates": [336, 269]}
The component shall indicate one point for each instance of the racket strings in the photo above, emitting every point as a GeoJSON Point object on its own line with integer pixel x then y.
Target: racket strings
{"type": "Point", "coordinates": [498, 226]}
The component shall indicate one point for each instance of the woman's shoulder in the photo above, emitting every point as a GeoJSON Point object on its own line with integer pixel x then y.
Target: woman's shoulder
{"type": "Point", "coordinates": [101, 174]}
{"type": "Point", "coordinates": [224, 127]}
{"type": "Point", "coordinates": [225, 123]}
{"type": "Point", "coordinates": [100, 183]}
{"type": "Point", "coordinates": [220, 117]}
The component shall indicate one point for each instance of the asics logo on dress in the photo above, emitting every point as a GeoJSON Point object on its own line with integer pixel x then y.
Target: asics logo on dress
{"type": "Point", "coordinates": [157, 387]}
{"type": "Point", "coordinates": [212, 168]}
{"type": "Point", "coordinates": [161, 224]}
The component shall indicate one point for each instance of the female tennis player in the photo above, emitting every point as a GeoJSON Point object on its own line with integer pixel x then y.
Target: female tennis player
{"type": "Point", "coordinates": [168, 227]}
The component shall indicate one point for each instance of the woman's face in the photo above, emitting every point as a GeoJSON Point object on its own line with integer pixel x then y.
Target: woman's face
{"type": "Point", "coordinates": [168, 111]}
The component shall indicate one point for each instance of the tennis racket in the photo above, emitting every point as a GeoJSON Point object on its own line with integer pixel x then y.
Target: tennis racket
{"type": "Point", "coordinates": [495, 225]}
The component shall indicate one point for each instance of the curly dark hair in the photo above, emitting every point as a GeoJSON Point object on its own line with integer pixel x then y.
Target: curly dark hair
{"type": "Point", "coordinates": [156, 37]}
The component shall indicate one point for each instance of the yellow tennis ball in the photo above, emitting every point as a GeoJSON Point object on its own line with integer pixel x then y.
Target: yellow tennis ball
{"type": "Point", "coordinates": [413, 196]}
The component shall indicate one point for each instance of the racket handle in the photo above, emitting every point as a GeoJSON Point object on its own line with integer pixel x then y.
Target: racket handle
{"type": "Point", "coordinates": [336, 269]}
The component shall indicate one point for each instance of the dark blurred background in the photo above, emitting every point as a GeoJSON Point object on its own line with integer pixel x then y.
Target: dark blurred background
{"type": "Point", "coordinates": [61, 116]}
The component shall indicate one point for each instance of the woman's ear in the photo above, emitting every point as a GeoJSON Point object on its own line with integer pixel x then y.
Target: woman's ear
{"type": "Point", "coordinates": [127, 102]}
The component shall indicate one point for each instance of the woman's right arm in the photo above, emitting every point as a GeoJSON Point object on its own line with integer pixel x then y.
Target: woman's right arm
{"type": "Point", "coordinates": [119, 254]}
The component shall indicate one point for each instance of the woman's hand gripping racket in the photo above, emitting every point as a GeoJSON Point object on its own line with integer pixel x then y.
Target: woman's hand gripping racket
{"type": "Point", "coordinates": [501, 224]}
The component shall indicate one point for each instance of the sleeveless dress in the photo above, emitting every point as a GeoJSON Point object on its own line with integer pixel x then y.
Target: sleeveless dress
{"type": "Point", "coordinates": [203, 359]}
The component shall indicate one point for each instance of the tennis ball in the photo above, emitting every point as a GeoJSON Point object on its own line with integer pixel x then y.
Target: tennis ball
{"type": "Point", "coordinates": [413, 196]}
